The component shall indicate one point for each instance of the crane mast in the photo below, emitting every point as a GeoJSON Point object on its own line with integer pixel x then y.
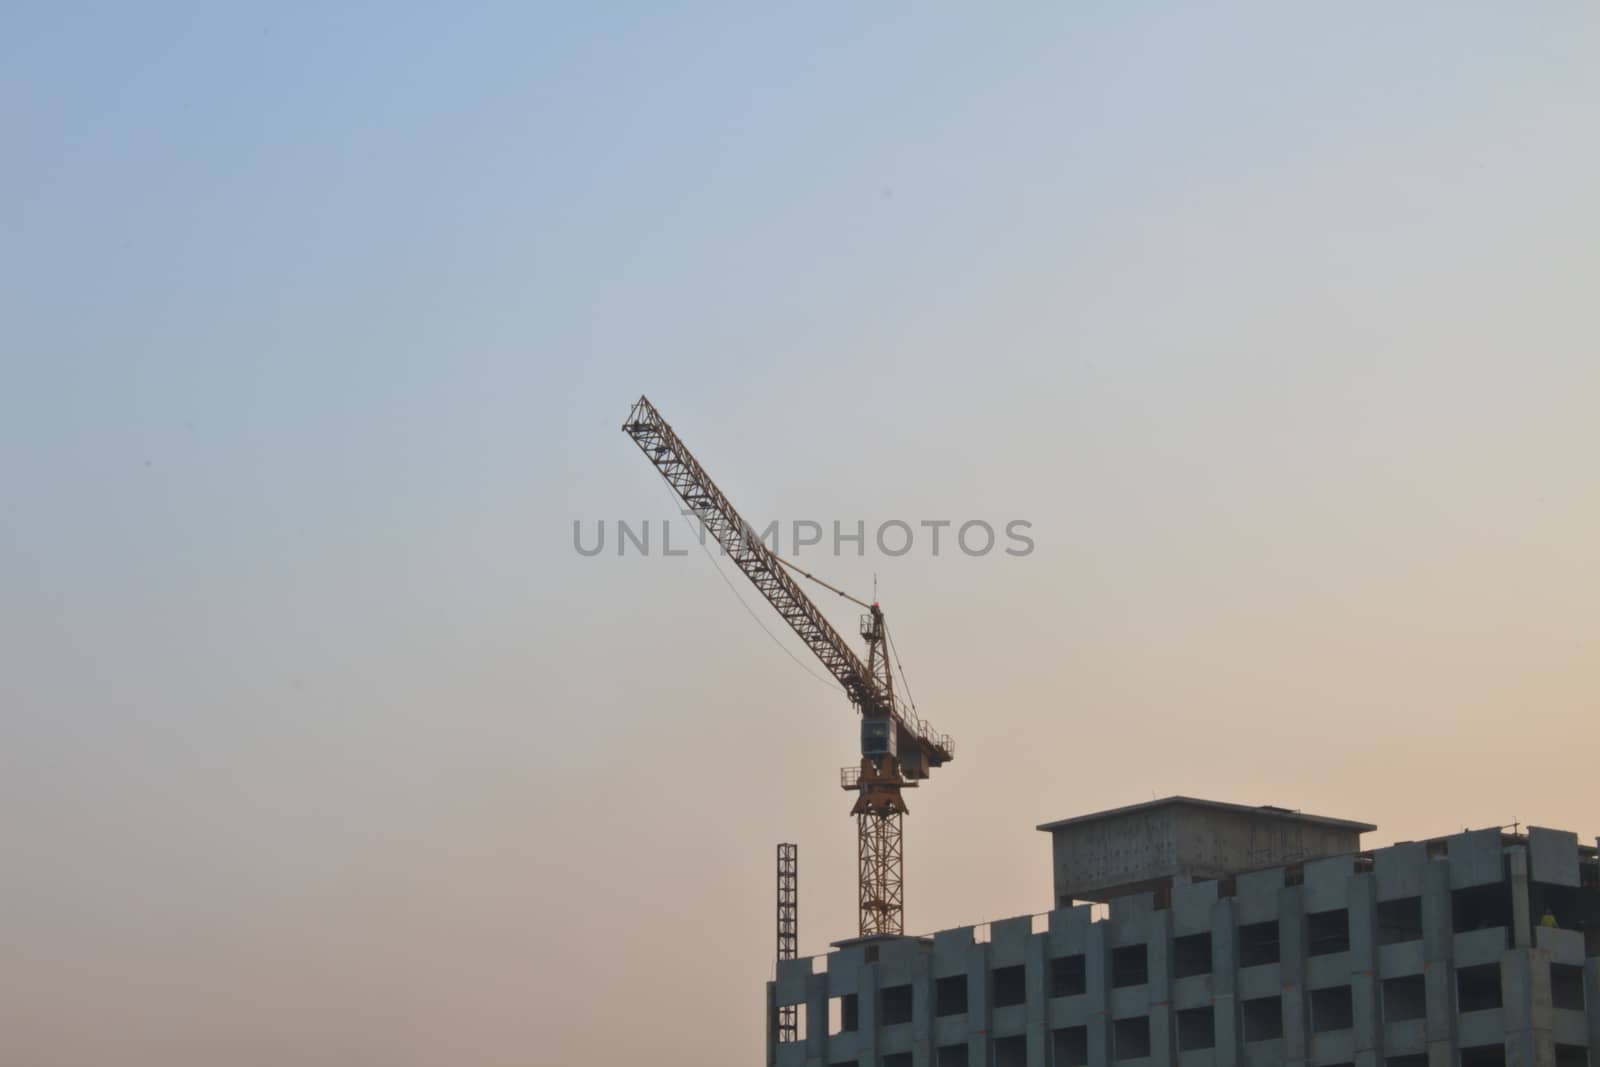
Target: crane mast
{"type": "Point", "coordinates": [788, 929]}
{"type": "Point", "coordinates": [898, 749]}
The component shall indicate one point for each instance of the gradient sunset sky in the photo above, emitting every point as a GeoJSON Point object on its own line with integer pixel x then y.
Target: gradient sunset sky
{"type": "Point", "coordinates": [321, 745]}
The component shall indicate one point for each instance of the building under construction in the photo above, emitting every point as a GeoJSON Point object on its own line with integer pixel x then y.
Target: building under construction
{"type": "Point", "coordinates": [1182, 931]}
{"type": "Point", "coordinates": [1203, 934]}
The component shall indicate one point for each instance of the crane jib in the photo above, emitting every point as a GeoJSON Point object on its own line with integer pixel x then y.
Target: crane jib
{"type": "Point", "coordinates": [897, 747]}
{"type": "Point", "coordinates": [677, 465]}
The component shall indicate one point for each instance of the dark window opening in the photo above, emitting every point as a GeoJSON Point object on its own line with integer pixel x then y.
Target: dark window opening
{"type": "Point", "coordinates": [1566, 986]}
{"type": "Point", "coordinates": [1572, 1056]}
{"type": "Point", "coordinates": [1263, 1019]}
{"type": "Point", "coordinates": [1570, 907]}
{"type": "Point", "coordinates": [1131, 1038]}
{"type": "Point", "coordinates": [1258, 944]}
{"type": "Point", "coordinates": [1011, 1052]}
{"type": "Point", "coordinates": [1197, 1029]}
{"type": "Point", "coordinates": [844, 1063]}
{"type": "Point", "coordinates": [1414, 1059]}
{"type": "Point", "coordinates": [1191, 955]}
{"type": "Point", "coordinates": [1405, 998]}
{"type": "Point", "coordinates": [894, 1005]}
{"type": "Point", "coordinates": [1399, 920]}
{"type": "Point", "coordinates": [1482, 907]}
{"type": "Point", "coordinates": [1068, 976]}
{"type": "Point", "coordinates": [951, 1056]}
{"type": "Point", "coordinates": [1009, 986]}
{"type": "Point", "coordinates": [843, 1014]}
{"type": "Point", "coordinates": [950, 995]}
{"type": "Point", "coordinates": [1130, 965]}
{"type": "Point", "coordinates": [1071, 1046]}
{"type": "Point", "coordinates": [1327, 932]}
{"type": "Point", "coordinates": [1332, 1009]}
{"type": "Point", "coordinates": [897, 1059]}
{"type": "Point", "coordinates": [1484, 1056]}
{"type": "Point", "coordinates": [1478, 988]}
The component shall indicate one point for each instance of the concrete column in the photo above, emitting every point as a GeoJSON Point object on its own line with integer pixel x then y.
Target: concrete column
{"type": "Point", "coordinates": [1526, 1008]}
{"type": "Point", "coordinates": [772, 1024]}
{"type": "Point", "coordinates": [1521, 911]}
{"type": "Point", "coordinates": [1158, 959]}
{"type": "Point", "coordinates": [1591, 1000]}
{"type": "Point", "coordinates": [817, 1019]}
{"type": "Point", "coordinates": [1225, 983]}
{"type": "Point", "coordinates": [1036, 972]}
{"type": "Point", "coordinates": [1365, 989]}
{"type": "Point", "coordinates": [1438, 951]}
{"type": "Point", "coordinates": [922, 1010]}
{"type": "Point", "coordinates": [1097, 967]}
{"type": "Point", "coordinates": [1292, 967]}
{"type": "Point", "coordinates": [867, 1016]}
{"type": "Point", "coordinates": [980, 1018]}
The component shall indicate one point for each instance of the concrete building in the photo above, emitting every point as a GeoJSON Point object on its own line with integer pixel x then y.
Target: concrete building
{"type": "Point", "coordinates": [1231, 936]}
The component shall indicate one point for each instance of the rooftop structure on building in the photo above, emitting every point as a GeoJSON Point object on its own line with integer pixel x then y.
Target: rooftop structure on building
{"type": "Point", "coordinates": [1201, 934]}
{"type": "Point", "coordinates": [1179, 840]}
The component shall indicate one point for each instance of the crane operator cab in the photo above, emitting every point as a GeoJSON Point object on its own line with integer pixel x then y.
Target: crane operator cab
{"type": "Point", "coordinates": [879, 737]}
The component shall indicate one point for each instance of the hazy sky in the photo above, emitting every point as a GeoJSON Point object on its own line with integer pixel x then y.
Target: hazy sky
{"type": "Point", "coordinates": [320, 744]}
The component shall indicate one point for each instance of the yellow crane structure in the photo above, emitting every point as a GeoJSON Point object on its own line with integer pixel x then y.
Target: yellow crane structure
{"type": "Point", "coordinates": [898, 749]}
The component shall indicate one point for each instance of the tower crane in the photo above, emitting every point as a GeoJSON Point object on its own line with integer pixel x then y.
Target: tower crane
{"type": "Point", "coordinates": [898, 749]}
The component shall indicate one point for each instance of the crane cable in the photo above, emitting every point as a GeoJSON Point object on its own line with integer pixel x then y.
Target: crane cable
{"type": "Point", "coordinates": [899, 664]}
{"type": "Point", "coordinates": [902, 667]}
{"type": "Point", "coordinates": [748, 609]}
{"type": "Point", "coordinates": [825, 585]}
{"type": "Point", "coordinates": [831, 684]}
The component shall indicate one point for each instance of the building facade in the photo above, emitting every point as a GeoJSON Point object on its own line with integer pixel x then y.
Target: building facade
{"type": "Point", "coordinates": [1481, 948]}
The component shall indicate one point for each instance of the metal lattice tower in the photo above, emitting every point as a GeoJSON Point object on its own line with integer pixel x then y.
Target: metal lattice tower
{"type": "Point", "coordinates": [880, 856]}
{"type": "Point", "coordinates": [788, 930]}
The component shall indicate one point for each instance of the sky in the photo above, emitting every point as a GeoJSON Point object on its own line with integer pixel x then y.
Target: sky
{"type": "Point", "coordinates": [320, 742]}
